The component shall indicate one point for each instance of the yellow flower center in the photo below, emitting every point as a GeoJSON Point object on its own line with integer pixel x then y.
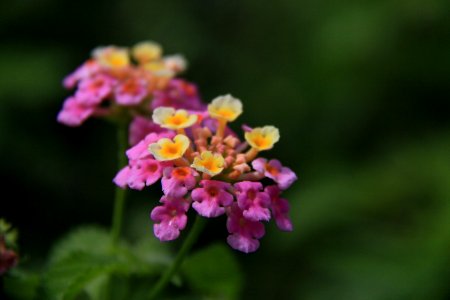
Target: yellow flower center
{"type": "Point", "coordinates": [261, 141]}
{"type": "Point", "coordinates": [225, 107]}
{"type": "Point", "coordinates": [209, 163]}
{"type": "Point", "coordinates": [166, 149]}
{"type": "Point", "coordinates": [155, 66]}
{"type": "Point", "coordinates": [168, 117]}
{"type": "Point", "coordinates": [262, 138]}
{"type": "Point", "coordinates": [118, 60]}
{"type": "Point", "coordinates": [146, 51]}
{"type": "Point", "coordinates": [226, 113]}
{"type": "Point", "coordinates": [177, 119]}
{"type": "Point", "coordinates": [112, 57]}
{"type": "Point", "coordinates": [170, 149]}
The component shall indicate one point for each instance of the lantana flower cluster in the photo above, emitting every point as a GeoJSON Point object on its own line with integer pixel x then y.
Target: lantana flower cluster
{"type": "Point", "coordinates": [205, 166]}
{"type": "Point", "coordinates": [118, 81]}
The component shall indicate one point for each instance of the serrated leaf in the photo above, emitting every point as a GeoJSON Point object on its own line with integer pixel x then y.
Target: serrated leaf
{"type": "Point", "coordinates": [90, 239]}
{"type": "Point", "coordinates": [85, 260]}
{"type": "Point", "coordinates": [70, 275]}
{"type": "Point", "coordinates": [214, 273]}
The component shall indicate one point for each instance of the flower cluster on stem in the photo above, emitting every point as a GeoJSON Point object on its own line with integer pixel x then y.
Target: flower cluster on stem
{"type": "Point", "coordinates": [118, 82]}
{"type": "Point", "coordinates": [205, 166]}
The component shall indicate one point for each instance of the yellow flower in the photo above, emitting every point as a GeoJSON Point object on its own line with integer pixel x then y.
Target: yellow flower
{"type": "Point", "coordinates": [263, 138]}
{"type": "Point", "coordinates": [166, 149]}
{"type": "Point", "coordinates": [112, 57]}
{"type": "Point", "coordinates": [209, 163]}
{"type": "Point", "coordinates": [168, 117]}
{"type": "Point", "coordinates": [147, 51]}
{"type": "Point", "coordinates": [225, 107]}
{"type": "Point", "coordinates": [159, 69]}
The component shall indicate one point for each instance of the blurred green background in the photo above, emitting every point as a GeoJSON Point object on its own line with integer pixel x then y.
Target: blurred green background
{"type": "Point", "coordinates": [359, 89]}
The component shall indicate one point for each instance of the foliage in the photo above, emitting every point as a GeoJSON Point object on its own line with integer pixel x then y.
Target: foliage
{"type": "Point", "coordinates": [359, 90]}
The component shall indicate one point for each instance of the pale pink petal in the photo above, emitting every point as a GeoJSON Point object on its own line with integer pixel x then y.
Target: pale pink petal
{"type": "Point", "coordinates": [122, 176]}
{"type": "Point", "coordinates": [74, 113]}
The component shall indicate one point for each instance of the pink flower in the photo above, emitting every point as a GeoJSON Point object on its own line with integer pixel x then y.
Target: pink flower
{"type": "Point", "coordinates": [252, 200]}
{"type": "Point", "coordinates": [244, 233]}
{"type": "Point", "coordinates": [93, 90]}
{"type": "Point", "coordinates": [74, 112]}
{"type": "Point", "coordinates": [170, 218]}
{"type": "Point", "coordinates": [178, 94]}
{"type": "Point", "coordinates": [140, 150]}
{"type": "Point", "coordinates": [140, 127]}
{"type": "Point", "coordinates": [210, 200]}
{"type": "Point", "coordinates": [131, 91]}
{"type": "Point", "coordinates": [144, 172]}
{"type": "Point", "coordinates": [84, 71]}
{"type": "Point", "coordinates": [280, 208]}
{"type": "Point", "coordinates": [196, 144]}
{"type": "Point", "coordinates": [143, 169]}
{"type": "Point", "coordinates": [122, 176]}
{"type": "Point", "coordinates": [176, 182]}
{"type": "Point", "coordinates": [273, 169]}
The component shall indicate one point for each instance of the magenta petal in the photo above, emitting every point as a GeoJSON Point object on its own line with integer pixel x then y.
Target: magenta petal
{"type": "Point", "coordinates": [285, 178]}
{"type": "Point", "coordinates": [140, 150]}
{"type": "Point", "coordinates": [178, 94]}
{"type": "Point", "coordinates": [252, 200]}
{"type": "Point", "coordinates": [140, 127]}
{"type": "Point", "coordinates": [85, 70]}
{"type": "Point", "coordinates": [144, 172]}
{"type": "Point", "coordinates": [173, 187]}
{"type": "Point", "coordinates": [74, 113]}
{"type": "Point", "coordinates": [121, 178]}
{"type": "Point", "coordinates": [209, 209]}
{"type": "Point", "coordinates": [259, 164]}
{"type": "Point", "coordinates": [280, 208]}
{"type": "Point", "coordinates": [131, 92]}
{"type": "Point", "coordinates": [176, 182]}
{"type": "Point", "coordinates": [169, 231]}
{"type": "Point", "coordinates": [274, 170]}
{"type": "Point", "coordinates": [211, 200]}
{"type": "Point", "coordinates": [257, 214]}
{"type": "Point", "coordinates": [170, 218]}
{"type": "Point", "coordinates": [244, 233]}
{"type": "Point", "coordinates": [93, 90]}
{"type": "Point", "coordinates": [243, 243]}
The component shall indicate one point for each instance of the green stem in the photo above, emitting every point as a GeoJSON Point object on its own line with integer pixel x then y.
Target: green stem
{"type": "Point", "coordinates": [199, 223]}
{"type": "Point", "coordinates": [119, 198]}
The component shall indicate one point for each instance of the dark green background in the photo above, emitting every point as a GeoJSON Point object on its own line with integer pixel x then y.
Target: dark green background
{"type": "Point", "coordinates": [359, 89]}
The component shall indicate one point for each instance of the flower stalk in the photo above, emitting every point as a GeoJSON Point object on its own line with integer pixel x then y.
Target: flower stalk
{"type": "Point", "coordinates": [196, 229]}
{"type": "Point", "coordinates": [120, 194]}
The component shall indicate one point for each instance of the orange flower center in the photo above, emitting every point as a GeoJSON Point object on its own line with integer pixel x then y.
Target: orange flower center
{"type": "Point", "coordinates": [180, 173]}
{"type": "Point", "coordinates": [272, 170]}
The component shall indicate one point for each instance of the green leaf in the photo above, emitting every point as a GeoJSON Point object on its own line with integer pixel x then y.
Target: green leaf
{"type": "Point", "coordinates": [151, 251]}
{"type": "Point", "coordinates": [70, 275]}
{"type": "Point", "coordinates": [21, 285]}
{"type": "Point", "coordinates": [90, 239]}
{"type": "Point", "coordinates": [85, 263]}
{"type": "Point", "coordinates": [214, 273]}
{"type": "Point", "coordinates": [82, 262]}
